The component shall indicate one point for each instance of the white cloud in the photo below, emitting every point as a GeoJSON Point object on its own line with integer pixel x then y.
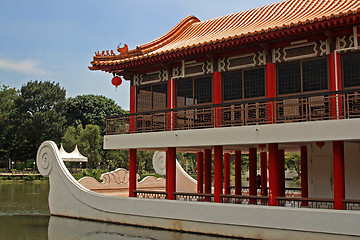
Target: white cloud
{"type": "Point", "coordinates": [25, 66]}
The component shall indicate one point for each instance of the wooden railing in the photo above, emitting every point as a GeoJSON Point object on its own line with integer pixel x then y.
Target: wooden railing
{"type": "Point", "coordinates": [198, 197]}
{"type": "Point", "coordinates": [351, 204]}
{"type": "Point", "coordinates": [301, 108]}
{"type": "Point", "coordinates": [244, 199]}
{"type": "Point", "coordinates": [297, 202]}
{"type": "Point", "coordinates": [150, 194]}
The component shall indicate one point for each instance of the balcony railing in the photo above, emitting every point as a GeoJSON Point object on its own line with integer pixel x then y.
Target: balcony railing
{"type": "Point", "coordinates": [301, 108]}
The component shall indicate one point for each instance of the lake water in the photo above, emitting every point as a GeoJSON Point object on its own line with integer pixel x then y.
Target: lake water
{"type": "Point", "coordinates": [24, 215]}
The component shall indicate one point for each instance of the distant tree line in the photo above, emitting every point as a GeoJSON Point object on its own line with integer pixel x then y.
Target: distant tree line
{"type": "Point", "coordinates": [40, 111]}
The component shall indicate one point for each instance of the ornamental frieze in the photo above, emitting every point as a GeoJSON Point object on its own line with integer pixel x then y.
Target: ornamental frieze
{"type": "Point", "coordinates": [191, 69]}
{"type": "Point", "coordinates": [151, 77]}
{"type": "Point", "coordinates": [301, 51]}
{"type": "Point", "coordinates": [242, 61]}
{"type": "Point", "coordinates": [345, 42]}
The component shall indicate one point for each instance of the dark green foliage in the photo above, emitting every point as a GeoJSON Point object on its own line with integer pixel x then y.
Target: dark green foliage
{"type": "Point", "coordinates": [90, 109]}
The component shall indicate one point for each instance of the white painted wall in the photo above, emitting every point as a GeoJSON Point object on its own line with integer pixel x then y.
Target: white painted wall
{"type": "Point", "coordinates": [320, 170]}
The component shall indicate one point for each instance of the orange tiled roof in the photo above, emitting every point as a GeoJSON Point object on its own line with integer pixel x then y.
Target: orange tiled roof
{"type": "Point", "coordinates": [191, 32]}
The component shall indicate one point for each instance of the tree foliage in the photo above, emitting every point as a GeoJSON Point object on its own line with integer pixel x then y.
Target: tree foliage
{"type": "Point", "coordinates": [38, 116]}
{"type": "Point", "coordinates": [90, 109]}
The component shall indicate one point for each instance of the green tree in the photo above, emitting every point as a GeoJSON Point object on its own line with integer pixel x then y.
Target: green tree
{"type": "Point", "coordinates": [38, 116]}
{"type": "Point", "coordinates": [292, 162]}
{"type": "Point", "coordinates": [90, 109]}
{"type": "Point", "coordinates": [7, 104]}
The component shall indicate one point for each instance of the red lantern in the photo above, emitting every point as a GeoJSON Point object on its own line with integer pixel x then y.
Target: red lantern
{"type": "Point", "coordinates": [116, 81]}
{"type": "Point", "coordinates": [320, 144]}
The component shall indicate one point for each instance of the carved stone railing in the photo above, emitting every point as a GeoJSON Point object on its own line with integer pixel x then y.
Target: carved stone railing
{"type": "Point", "coordinates": [199, 197]}
{"type": "Point", "coordinates": [322, 203]}
{"type": "Point", "coordinates": [150, 194]}
{"type": "Point", "coordinates": [351, 204]}
{"type": "Point", "coordinates": [298, 108]}
{"type": "Point", "coordinates": [244, 199]}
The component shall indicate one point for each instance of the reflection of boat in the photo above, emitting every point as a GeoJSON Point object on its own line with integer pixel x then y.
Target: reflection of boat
{"type": "Point", "coordinates": [73, 229]}
{"type": "Point", "coordinates": [69, 198]}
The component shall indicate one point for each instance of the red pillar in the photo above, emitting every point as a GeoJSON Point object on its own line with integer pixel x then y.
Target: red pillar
{"type": "Point", "coordinates": [132, 172]}
{"type": "Point", "coordinates": [227, 173]}
{"type": "Point", "coordinates": [237, 172]}
{"type": "Point", "coordinates": [263, 164]}
{"type": "Point", "coordinates": [132, 108]}
{"type": "Point", "coordinates": [171, 177]}
{"type": "Point", "coordinates": [252, 171]}
{"type": "Point", "coordinates": [335, 85]}
{"type": "Point", "coordinates": [304, 174]}
{"type": "Point", "coordinates": [218, 173]}
{"type": "Point", "coordinates": [281, 159]}
{"type": "Point", "coordinates": [207, 170]}
{"type": "Point", "coordinates": [200, 171]}
{"type": "Point", "coordinates": [171, 104]}
{"type": "Point", "coordinates": [270, 90]}
{"type": "Point", "coordinates": [217, 96]}
{"type": "Point", "coordinates": [339, 177]}
{"type": "Point", "coordinates": [274, 182]}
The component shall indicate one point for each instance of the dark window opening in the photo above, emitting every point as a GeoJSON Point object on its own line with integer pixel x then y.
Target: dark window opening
{"type": "Point", "coordinates": [351, 70]}
{"type": "Point", "coordinates": [193, 91]}
{"type": "Point", "coordinates": [151, 97]}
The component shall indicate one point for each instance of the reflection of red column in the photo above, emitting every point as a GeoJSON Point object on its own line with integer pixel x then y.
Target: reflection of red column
{"type": "Point", "coordinates": [217, 97]}
{"type": "Point", "coordinates": [200, 171]}
{"type": "Point", "coordinates": [274, 183]}
{"type": "Point", "coordinates": [335, 85]}
{"type": "Point", "coordinates": [263, 163]}
{"type": "Point", "coordinates": [132, 109]}
{"type": "Point", "coordinates": [132, 172]}
{"type": "Point", "coordinates": [172, 172]}
{"type": "Point", "coordinates": [339, 176]}
{"type": "Point", "coordinates": [218, 173]}
{"type": "Point", "coordinates": [171, 104]}
{"type": "Point", "coordinates": [237, 172]}
{"type": "Point", "coordinates": [227, 173]}
{"type": "Point", "coordinates": [207, 170]}
{"type": "Point", "coordinates": [270, 91]}
{"type": "Point", "coordinates": [304, 174]}
{"type": "Point", "coordinates": [281, 159]}
{"type": "Point", "coordinates": [252, 171]}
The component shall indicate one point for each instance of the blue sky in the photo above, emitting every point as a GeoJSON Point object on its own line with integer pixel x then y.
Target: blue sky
{"type": "Point", "coordinates": [56, 40]}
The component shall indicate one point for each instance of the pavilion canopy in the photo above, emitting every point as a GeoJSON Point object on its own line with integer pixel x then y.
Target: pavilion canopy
{"type": "Point", "coordinates": [74, 156]}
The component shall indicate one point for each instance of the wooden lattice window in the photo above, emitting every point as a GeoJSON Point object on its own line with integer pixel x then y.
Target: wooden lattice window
{"type": "Point", "coordinates": [303, 76]}
{"type": "Point", "coordinates": [244, 84]}
{"type": "Point", "coordinates": [193, 91]}
{"type": "Point", "coordinates": [351, 69]}
{"type": "Point", "coordinates": [151, 97]}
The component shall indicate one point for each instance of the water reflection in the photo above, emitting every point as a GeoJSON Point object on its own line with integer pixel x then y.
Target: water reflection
{"type": "Point", "coordinates": [66, 228]}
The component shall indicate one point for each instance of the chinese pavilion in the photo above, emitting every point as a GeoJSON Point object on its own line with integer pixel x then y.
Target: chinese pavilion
{"type": "Point", "coordinates": [279, 78]}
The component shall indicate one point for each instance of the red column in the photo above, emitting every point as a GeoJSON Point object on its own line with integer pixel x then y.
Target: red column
{"type": "Point", "coordinates": [227, 173]}
{"type": "Point", "coordinates": [171, 104]}
{"type": "Point", "coordinates": [167, 171]}
{"type": "Point", "coordinates": [274, 182]}
{"type": "Point", "coordinates": [132, 172]}
{"type": "Point", "coordinates": [200, 171]}
{"type": "Point", "coordinates": [263, 164]}
{"type": "Point", "coordinates": [171, 177]}
{"type": "Point", "coordinates": [304, 174]}
{"type": "Point", "coordinates": [207, 170]}
{"type": "Point", "coordinates": [335, 85]}
{"type": "Point", "coordinates": [237, 172]}
{"type": "Point", "coordinates": [132, 108]}
{"type": "Point", "coordinates": [218, 173]}
{"type": "Point", "coordinates": [270, 90]}
{"type": "Point", "coordinates": [217, 96]}
{"type": "Point", "coordinates": [252, 171]}
{"type": "Point", "coordinates": [339, 177]}
{"type": "Point", "coordinates": [281, 159]}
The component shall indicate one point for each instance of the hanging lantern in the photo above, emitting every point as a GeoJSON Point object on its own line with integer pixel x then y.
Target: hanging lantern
{"type": "Point", "coordinates": [320, 144]}
{"type": "Point", "coordinates": [116, 81]}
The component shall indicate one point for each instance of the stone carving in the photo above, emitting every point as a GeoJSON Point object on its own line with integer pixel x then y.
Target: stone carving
{"type": "Point", "coordinates": [159, 162]}
{"type": "Point", "coordinates": [43, 160]}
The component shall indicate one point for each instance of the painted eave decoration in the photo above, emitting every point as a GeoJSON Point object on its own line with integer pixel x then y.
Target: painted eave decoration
{"type": "Point", "coordinates": [192, 36]}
